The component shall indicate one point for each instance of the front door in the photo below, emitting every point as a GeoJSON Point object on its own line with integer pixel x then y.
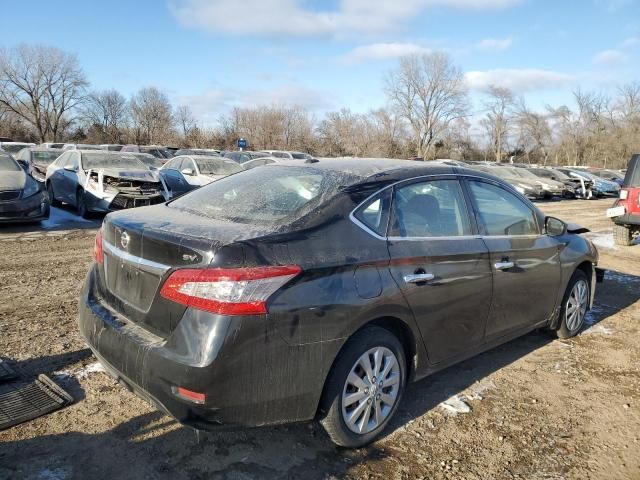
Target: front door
{"type": "Point", "coordinates": [525, 262]}
{"type": "Point", "coordinates": [441, 267]}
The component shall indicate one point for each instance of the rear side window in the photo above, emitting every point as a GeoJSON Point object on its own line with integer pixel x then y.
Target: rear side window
{"type": "Point", "coordinates": [500, 212]}
{"type": "Point", "coordinates": [374, 214]}
{"type": "Point", "coordinates": [431, 209]}
{"type": "Point", "coordinates": [268, 196]}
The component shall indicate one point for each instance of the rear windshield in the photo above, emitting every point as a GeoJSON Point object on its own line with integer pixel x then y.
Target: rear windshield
{"type": "Point", "coordinates": [8, 164]}
{"type": "Point", "coordinates": [110, 160]}
{"type": "Point", "coordinates": [217, 167]}
{"type": "Point", "coordinates": [264, 196]}
{"type": "Point", "coordinates": [44, 158]}
{"type": "Point", "coordinates": [14, 148]}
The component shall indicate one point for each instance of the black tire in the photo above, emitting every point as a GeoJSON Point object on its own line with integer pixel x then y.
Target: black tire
{"type": "Point", "coordinates": [622, 235]}
{"type": "Point", "coordinates": [567, 328]}
{"type": "Point", "coordinates": [52, 199]}
{"type": "Point", "coordinates": [331, 406]}
{"type": "Point", "coordinates": [81, 205]}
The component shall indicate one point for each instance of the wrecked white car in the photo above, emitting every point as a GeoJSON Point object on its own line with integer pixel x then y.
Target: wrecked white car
{"type": "Point", "coordinates": [103, 181]}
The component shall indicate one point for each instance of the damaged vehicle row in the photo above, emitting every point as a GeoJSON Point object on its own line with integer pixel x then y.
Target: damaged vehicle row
{"type": "Point", "coordinates": [22, 198]}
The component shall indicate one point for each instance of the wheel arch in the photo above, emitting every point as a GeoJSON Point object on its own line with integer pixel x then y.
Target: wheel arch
{"type": "Point", "coordinates": [397, 327]}
{"type": "Point", "coordinates": [587, 268]}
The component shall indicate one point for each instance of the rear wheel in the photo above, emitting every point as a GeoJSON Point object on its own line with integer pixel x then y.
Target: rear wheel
{"type": "Point", "coordinates": [52, 198]}
{"type": "Point", "coordinates": [81, 205]}
{"type": "Point", "coordinates": [574, 305]}
{"type": "Point", "coordinates": [622, 235]}
{"type": "Point", "coordinates": [364, 387]}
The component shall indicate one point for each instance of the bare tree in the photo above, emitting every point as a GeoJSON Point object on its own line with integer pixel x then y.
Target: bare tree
{"type": "Point", "coordinates": [497, 120]}
{"type": "Point", "coordinates": [107, 110]}
{"type": "Point", "coordinates": [151, 115]}
{"type": "Point", "coordinates": [41, 86]}
{"type": "Point", "coordinates": [185, 120]}
{"type": "Point", "coordinates": [429, 92]}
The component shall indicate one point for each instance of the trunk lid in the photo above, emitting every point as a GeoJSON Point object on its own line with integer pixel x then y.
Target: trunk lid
{"type": "Point", "coordinates": [143, 246]}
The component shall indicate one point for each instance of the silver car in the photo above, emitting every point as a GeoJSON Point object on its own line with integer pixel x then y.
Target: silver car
{"type": "Point", "coordinates": [103, 181]}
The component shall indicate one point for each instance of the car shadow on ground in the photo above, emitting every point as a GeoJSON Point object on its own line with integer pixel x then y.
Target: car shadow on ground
{"type": "Point", "coordinates": [64, 217]}
{"type": "Point", "coordinates": [152, 445]}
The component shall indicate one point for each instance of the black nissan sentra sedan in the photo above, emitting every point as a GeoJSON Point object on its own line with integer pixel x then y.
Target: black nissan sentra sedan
{"type": "Point", "coordinates": [317, 290]}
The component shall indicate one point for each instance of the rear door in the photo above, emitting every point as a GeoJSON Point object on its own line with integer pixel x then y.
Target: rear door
{"type": "Point", "coordinates": [525, 262]}
{"type": "Point", "coordinates": [440, 264]}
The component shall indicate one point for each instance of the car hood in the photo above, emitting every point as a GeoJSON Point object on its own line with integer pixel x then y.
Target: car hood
{"type": "Point", "coordinates": [12, 180]}
{"type": "Point", "coordinates": [130, 174]}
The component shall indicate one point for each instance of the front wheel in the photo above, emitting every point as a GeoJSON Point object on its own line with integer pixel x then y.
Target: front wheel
{"type": "Point", "coordinates": [364, 387]}
{"type": "Point", "coordinates": [575, 304]}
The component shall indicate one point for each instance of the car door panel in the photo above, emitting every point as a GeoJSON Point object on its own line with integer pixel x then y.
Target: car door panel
{"type": "Point", "coordinates": [444, 273]}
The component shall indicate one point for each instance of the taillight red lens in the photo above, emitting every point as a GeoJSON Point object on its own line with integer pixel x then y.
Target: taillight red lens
{"type": "Point", "coordinates": [228, 291]}
{"type": "Point", "coordinates": [194, 397]}
{"type": "Point", "coordinates": [98, 252]}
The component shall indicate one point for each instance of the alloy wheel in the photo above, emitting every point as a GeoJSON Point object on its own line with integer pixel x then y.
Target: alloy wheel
{"type": "Point", "coordinates": [577, 305]}
{"type": "Point", "coordinates": [371, 390]}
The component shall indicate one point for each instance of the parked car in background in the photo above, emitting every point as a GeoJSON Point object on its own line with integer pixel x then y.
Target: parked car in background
{"type": "Point", "coordinates": [22, 199]}
{"type": "Point", "coordinates": [529, 188]}
{"type": "Point", "coordinates": [197, 151]}
{"type": "Point", "coordinates": [51, 145]}
{"type": "Point", "coordinates": [155, 150]}
{"type": "Point", "coordinates": [287, 154]}
{"type": "Point", "coordinates": [611, 175]}
{"type": "Point", "coordinates": [601, 187]}
{"type": "Point", "coordinates": [259, 162]}
{"type": "Point", "coordinates": [625, 212]}
{"type": "Point", "coordinates": [38, 160]}
{"type": "Point", "coordinates": [81, 146]}
{"type": "Point", "coordinates": [573, 186]}
{"type": "Point", "coordinates": [102, 181]}
{"type": "Point", "coordinates": [112, 147]}
{"type": "Point", "coordinates": [244, 156]}
{"type": "Point", "coordinates": [302, 291]}
{"type": "Point", "coordinates": [186, 172]}
{"type": "Point", "coordinates": [550, 188]}
{"type": "Point", "coordinates": [154, 163]}
{"type": "Point", "coordinates": [14, 147]}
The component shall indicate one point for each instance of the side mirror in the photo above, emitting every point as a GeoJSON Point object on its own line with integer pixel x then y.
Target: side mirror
{"type": "Point", "coordinates": [554, 227]}
{"type": "Point", "coordinates": [187, 171]}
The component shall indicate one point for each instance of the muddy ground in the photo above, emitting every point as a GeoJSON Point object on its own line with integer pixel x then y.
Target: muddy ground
{"type": "Point", "coordinates": [540, 408]}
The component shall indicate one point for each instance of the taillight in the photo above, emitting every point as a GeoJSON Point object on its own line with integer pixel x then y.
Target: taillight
{"type": "Point", "coordinates": [98, 252]}
{"type": "Point", "coordinates": [185, 394]}
{"type": "Point", "coordinates": [228, 291]}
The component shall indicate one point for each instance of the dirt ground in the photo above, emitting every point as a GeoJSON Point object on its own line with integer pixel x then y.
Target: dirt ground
{"type": "Point", "coordinates": [540, 408]}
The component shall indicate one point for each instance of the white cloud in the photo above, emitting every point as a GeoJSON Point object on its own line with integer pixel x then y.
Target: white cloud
{"type": "Point", "coordinates": [609, 57]}
{"type": "Point", "coordinates": [209, 105]}
{"type": "Point", "coordinates": [518, 80]}
{"type": "Point", "coordinates": [495, 43]}
{"type": "Point", "coordinates": [381, 51]}
{"type": "Point", "coordinates": [630, 42]}
{"type": "Point", "coordinates": [296, 18]}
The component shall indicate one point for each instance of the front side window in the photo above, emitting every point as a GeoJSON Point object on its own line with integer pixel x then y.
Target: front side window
{"type": "Point", "coordinates": [72, 162]}
{"type": "Point", "coordinates": [431, 209]}
{"type": "Point", "coordinates": [500, 212]}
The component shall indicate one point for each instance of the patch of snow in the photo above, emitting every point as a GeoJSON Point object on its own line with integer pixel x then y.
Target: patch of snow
{"type": "Point", "coordinates": [59, 216]}
{"type": "Point", "coordinates": [478, 391]}
{"type": "Point", "coordinates": [599, 328]}
{"type": "Point", "coordinates": [604, 240]}
{"type": "Point", "coordinates": [455, 405]}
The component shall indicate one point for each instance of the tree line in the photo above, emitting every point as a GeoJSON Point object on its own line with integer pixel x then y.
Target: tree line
{"type": "Point", "coordinates": [45, 96]}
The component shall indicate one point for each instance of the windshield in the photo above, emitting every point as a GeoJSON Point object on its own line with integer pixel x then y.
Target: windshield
{"type": "Point", "coordinates": [265, 196]}
{"type": "Point", "coordinates": [8, 164]}
{"type": "Point", "coordinates": [558, 174]}
{"type": "Point", "coordinates": [110, 160]}
{"type": "Point", "coordinates": [44, 158]}
{"type": "Point", "coordinates": [147, 159]}
{"type": "Point", "coordinates": [14, 148]}
{"type": "Point", "coordinates": [300, 156]}
{"type": "Point", "coordinates": [212, 166]}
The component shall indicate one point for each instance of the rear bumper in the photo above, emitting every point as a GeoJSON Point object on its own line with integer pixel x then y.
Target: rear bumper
{"type": "Point", "coordinates": [627, 219]}
{"type": "Point", "coordinates": [249, 375]}
{"type": "Point", "coordinates": [32, 209]}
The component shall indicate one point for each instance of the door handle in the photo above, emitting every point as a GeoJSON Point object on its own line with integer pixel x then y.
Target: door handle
{"type": "Point", "coordinates": [503, 265]}
{"type": "Point", "coordinates": [418, 277]}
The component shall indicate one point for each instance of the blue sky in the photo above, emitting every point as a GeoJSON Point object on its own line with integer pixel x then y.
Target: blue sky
{"type": "Point", "coordinates": [324, 55]}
